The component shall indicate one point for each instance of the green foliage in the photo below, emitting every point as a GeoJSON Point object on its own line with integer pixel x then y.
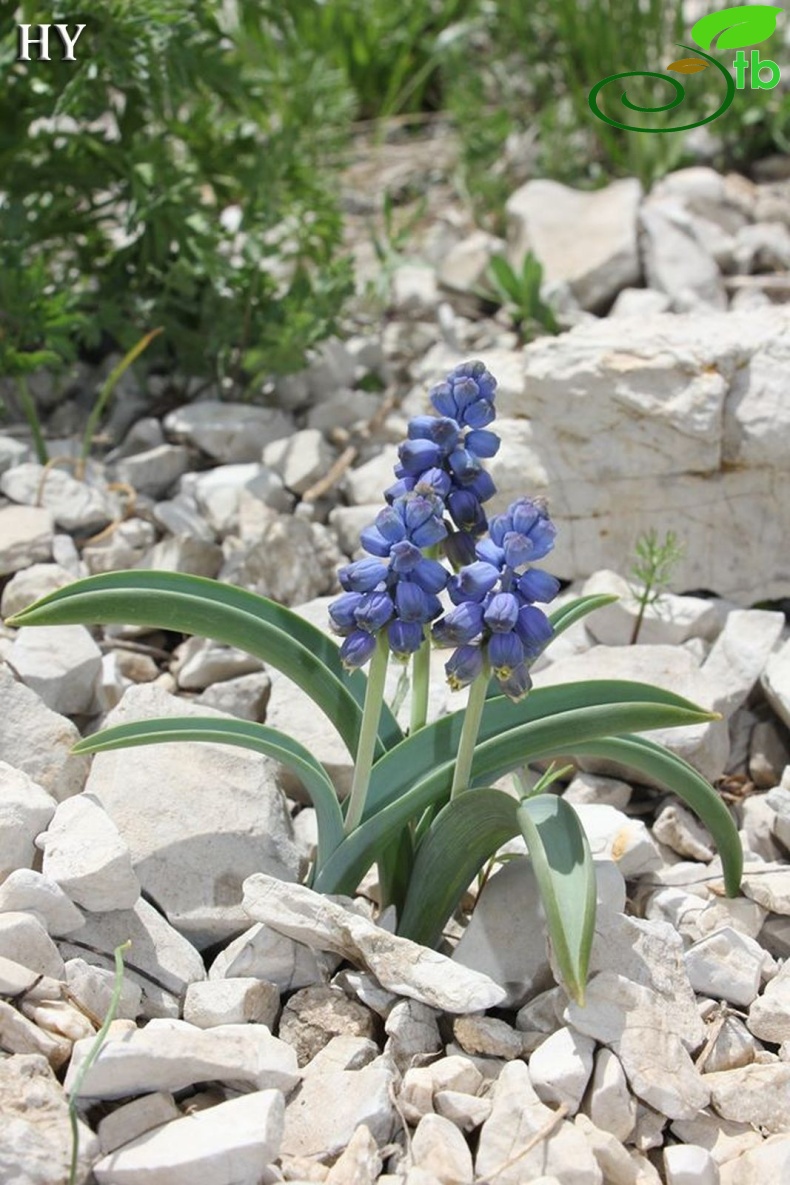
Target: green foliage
{"type": "Point", "coordinates": [652, 570]}
{"type": "Point", "coordinates": [429, 840]}
{"type": "Point", "coordinates": [117, 168]}
{"type": "Point", "coordinates": [519, 293]}
{"type": "Point", "coordinates": [390, 54]}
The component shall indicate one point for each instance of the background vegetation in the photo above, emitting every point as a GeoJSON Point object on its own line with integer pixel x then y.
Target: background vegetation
{"type": "Point", "coordinates": [184, 172]}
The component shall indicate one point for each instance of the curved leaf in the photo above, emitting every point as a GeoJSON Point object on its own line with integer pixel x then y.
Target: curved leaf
{"type": "Point", "coordinates": [747, 24]}
{"type": "Point", "coordinates": [404, 764]}
{"type": "Point", "coordinates": [210, 608]}
{"type": "Point", "coordinates": [465, 833]}
{"type": "Point", "coordinates": [671, 771]}
{"type": "Point", "coordinates": [688, 65]}
{"type": "Point", "coordinates": [574, 611]}
{"type": "Point", "coordinates": [247, 735]}
{"type": "Point", "coordinates": [558, 734]}
{"type": "Point", "coordinates": [565, 873]}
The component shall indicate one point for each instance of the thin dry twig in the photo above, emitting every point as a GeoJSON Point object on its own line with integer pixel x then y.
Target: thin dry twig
{"type": "Point", "coordinates": [50, 465]}
{"type": "Point", "coordinates": [122, 487]}
{"type": "Point", "coordinates": [332, 476]}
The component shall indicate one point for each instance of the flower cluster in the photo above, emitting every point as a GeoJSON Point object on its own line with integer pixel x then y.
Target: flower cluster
{"type": "Point", "coordinates": [495, 619]}
{"type": "Point", "coordinates": [436, 506]}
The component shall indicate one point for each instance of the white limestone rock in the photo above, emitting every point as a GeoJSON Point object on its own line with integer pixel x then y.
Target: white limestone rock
{"type": "Point", "coordinates": [553, 221]}
{"type": "Point", "coordinates": [172, 1054]}
{"type": "Point", "coordinates": [230, 432]}
{"type": "Point", "coordinates": [342, 1053]}
{"type": "Point", "coordinates": [768, 1161]}
{"type": "Point", "coordinates": [775, 682]}
{"type": "Point", "coordinates": [756, 1094]}
{"type": "Point", "coordinates": [230, 1144]}
{"type": "Point", "coordinates": [725, 1139]}
{"type": "Point", "coordinates": [505, 937]}
{"type": "Point", "coordinates": [323, 1114]}
{"type": "Point", "coordinates": [668, 621]}
{"type": "Point", "coordinates": [617, 1163]}
{"type": "Point", "coordinates": [192, 847]}
{"type": "Point", "coordinates": [166, 961]}
{"type": "Point", "coordinates": [62, 664]}
{"type": "Point", "coordinates": [465, 266]}
{"type": "Point", "coordinates": [766, 883]}
{"type": "Point", "coordinates": [399, 964]}
{"type": "Point", "coordinates": [689, 1164]}
{"type": "Point", "coordinates": [706, 746]}
{"type": "Point", "coordinates": [134, 1119]}
{"type": "Point", "coordinates": [640, 1027]}
{"type": "Point", "coordinates": [677, 260]}
{"type": "Point", "coordinates": [769, 1014]}
{"type": "Point", "coordinates": [31, 583]}
{"type": "Point", "coordinates": [412, 1031]}
{"type": "Point", "coordinates": [639, 302]}
{"type": "Point", "coordinates": [726, 965]}
{"type": "Point", "coordinates": [740, 654]}
{"type": "Point", "coordinates": [85, 854]}
{"type": "Point", "coordinates": [560, 1068]}
{"type": "Point", "coordinates": [466, 1111]}
{"type": "Point", "coordinates": [37, 741]}
{"type": "Point", "coordinates": [200, 662]}
{"type": "Point", "coordinates": [243, 1000]}
{"type": "Point", "coordinates": [438, 1147]}
{"type": "Point", "coordinates": [24, 940]}
{"type": "Point", "coordinates": [508, 1150]}
{"type": "Point", "coordinates": [36, 1144]}
{"type": "Point", "coordinates": [733, 1046]}
{"type": "Point", "coordinates": [359, 1163]}
{"type": "Point", "coordinates": [20, 1035]}
{"type": "Point", "coordinates": [264, 954]}
{"type": "Point", "coordinates": [313, 1015]}
{"type": "Point", "coordinates": [610, 1105]}
{"type": "Point", "coordinates": [219, 492]}
{"type": "Point", "coordinates": [415, 291]}
{"type": "Point", "coordinates": [684, 412]}
{"type": "Point", "coordinates": [300, 459]}
{"type": "Point", "coordinates": [25, 810]}
{"type": "Point", "coordinates": [93, 988]}
{"type": "Point", "coordinates": [25, 537]}
{"type": "Point", "coordinates": [367, 482]}
{"type": "Point", "coordinates": [154, 470]}
{"type": "Point", "coordinates": [680, 830]}
{"type": "Point", "coordinates": [591, 788]}
{"type": "Point", "coordinates": [279, 556]}
{"type": "Point", "coordinates": [615, 836]}
{"type": "Point", "coordinates": [487, 1036]}
{"type": "Point", "coordinates": [74, 505]}
{"type": "Point", "coordinates": [31, 892]}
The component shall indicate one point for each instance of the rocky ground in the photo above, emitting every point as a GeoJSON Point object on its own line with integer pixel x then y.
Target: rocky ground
{"type": "Point", "coordinates": [266, 1034]}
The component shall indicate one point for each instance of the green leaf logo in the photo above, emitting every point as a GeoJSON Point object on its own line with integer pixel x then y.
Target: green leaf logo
{"type": "Point", "coordinates": [748, 24]}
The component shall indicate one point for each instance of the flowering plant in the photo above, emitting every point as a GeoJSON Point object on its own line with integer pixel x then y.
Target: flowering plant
{"type": "Point", "coordinates": [421, 805]}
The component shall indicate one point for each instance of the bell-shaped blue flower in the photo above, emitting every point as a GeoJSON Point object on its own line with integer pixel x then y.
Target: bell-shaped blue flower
{"type": "Point", "coordinates": [418, 455]}
{"type": "Point", "coordinates": [466, 511]}
{"type": "Point", "coordinates": [357, 649]}
{"type": "Point", "coordinates": [517, 683]}
{"type": "Point", "coordinates": [482, 443]}
{"type": "Point", "coordinates": [505, 654]}
{"type": "Point", "coordinates": [473, 582]}
{"type": "Point", "coordinates": [501, 613]}
{"type": "Point", "coordinates": [430, 575]}
{"type": "Point", "coordinates": [463, 666]}
{"type": "Point", "coordinates": [404, 637]}
{"type": "Point", "coordinates": [462, 624]}
{"type": "Point", "coordinates": [362, 576]}
{"type": "Point", "coordinates": [535, 585]}
{"type": "Point", "coordinates": [374, 612]}
{"type": "Point", "coordinates": [534, 629]}
{"type": "Point", "coordinates": [466, 395]}
{"type": "Point", "coordinates": [342, 611]}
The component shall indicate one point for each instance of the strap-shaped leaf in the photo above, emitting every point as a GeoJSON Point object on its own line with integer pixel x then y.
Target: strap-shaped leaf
{"type": "Point", "coordinates": [247, 735]}
{"type": "Point", "coordinates": [574, 611]}
{"type": "Point", "coordinates": [212, 609]}
{"type": "Point", "coordinates": [564, 869]}
{"type": "Point", "coordinates": [465, 833]}
{"type": "Point", "coordinates": [558, 734]}
{"type": "Point", "coordinates": [671, 771]}
{"type": "Point", "coordinates": [398, 770]}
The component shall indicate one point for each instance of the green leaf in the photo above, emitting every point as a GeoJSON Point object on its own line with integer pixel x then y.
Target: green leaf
{"type": "Point", "coordinates": [505, 278]}
{"type": "Point", "coordinates": [398, 770]}
{"type": "Point", "coordinates": [747, 24]}
{"type": "Point", "coordinates": [247, 735]}
{"type": "Point", "coordinates": [461, 838]}
{"type": "Point", "coordinates": [209, 608]}
{"type": "Point", "coordinates": [558, 734]}
{"type": "Point", "coordinates": [565, 873]}
{"type": "Point", "coordinates": [669, 770]}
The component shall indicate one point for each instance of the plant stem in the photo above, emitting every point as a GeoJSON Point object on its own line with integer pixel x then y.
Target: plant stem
{"type": "Point", "coordinates": [107, 390]}
{"type": "Point", "coordinates": [374, 697]}
{"type": "Point", "coordinates": [421, 679]}
{"type": "Point", "coordinates": [471, 727]}
{"type": "Point", "coordinates": [93, 1053]}
{"type": "Point", "coordinates": [31, 415]}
